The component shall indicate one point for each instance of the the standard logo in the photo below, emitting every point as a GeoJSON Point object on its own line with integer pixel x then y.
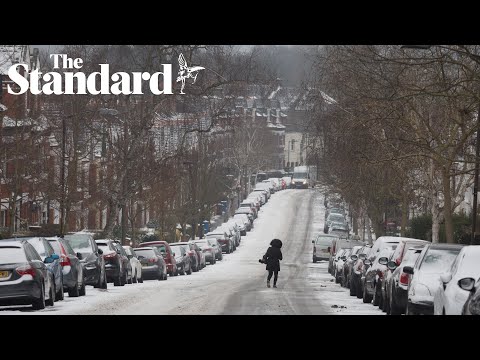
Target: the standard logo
{"type": "Point", "coordinates": [77, 82]}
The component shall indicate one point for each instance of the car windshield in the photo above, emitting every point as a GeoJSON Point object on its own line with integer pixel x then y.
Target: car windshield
{"type": "Point", "coordinates": [324, 240]}
{"type": "Point", "coordinates": [300, 175]}
{"type": "Point", "coordinates": [201, 244]}
{"type": "Point", "coordinates": [176, 249]}
{"type": "Point", "coordinates": [438, 260]}
{"type": "Point", "coordinates": [336, 218]}
{"type": "Point", "coordinates": [56, 246]}
{"type": "Point", "coordinates": [103, 246]}
{"type": "Point", "coordinates": [161, 248]}
{"type": "Point", "coordinates": [39, 246]}
{"type": "Point", "coordinates": [12, 255]}
{"type": "Point", "coordinates": [411, 256]}
{"type": "Point", "coordinates": [79, 242]}
{"type": "Point", "coordinates": [147, 253]}
{"type": "Point", "coordinates": [128, 251]}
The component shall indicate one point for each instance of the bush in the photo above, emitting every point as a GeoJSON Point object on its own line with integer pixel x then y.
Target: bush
{"type": "Point", "coordinates": [421, 227]}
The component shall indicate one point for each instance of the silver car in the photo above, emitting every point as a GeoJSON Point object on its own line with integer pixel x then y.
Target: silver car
{"type": "Point", "coordinates": [136, 264]}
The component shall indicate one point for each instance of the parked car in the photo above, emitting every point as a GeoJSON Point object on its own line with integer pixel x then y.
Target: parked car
{"type": "Point", "coordinates": [356, 274]}
{"type": "Point", "coordinates": [383, 242]}
{"type": "Point", "coordinates": [432, 261]}
{"type": "Point", "coordinates": [135, 264]}
{"type": "Point", "coordinates": [238, 236]}
{"type": "Point", "coordinates": [245, 219]}
{"type": "Point", "coordinates": [231, 233]}
{"type": "Point", "coordinates": [183, 260]}
{"type": "Point", "coordinates": [374, 275]}
{"type": "Point", "coordinates": [91, 258]}
{"type": "Point", "coordinates": [348, 266]}
{"type": "Point", "coordinates": [153, 263]}
{"type": "Point", "coordinates": [339, 243]}
{"type": "Point", "coordinates": [226, 242]}
{"type": "Point", "coordinates": [337, 218]}
{"type": "Point", "coordinates": [207, 249]}
{"type": "Point", "coordinates": [246, 211]}
{"type": "Point", "coordinates": [472, 305]}
{"type": "Point", "coordinates": [45, 250]}
{"type": "Point", "coordinates": [72, 270]}
{"type": "Point", "coordinates": [250, 204]}
{"type": "Point", "coordinates": [114, 263]}
{"type": "Point", "coordinates": [167, 253]}
{"type": "Point", "coordinates": [288, 182]}
{"type": "Point", "coordinates": [321, 247]}
{"type": "Point", "coordinates": [395, 292]}
{"type": "Point", "coordinates": [192, 254]}
{"type": "Point", "coordinates": [265, 193]}
{"type": "Point", "coordinates": [215, 244]}
{"type": "Point", "coordinates": [452, 296]}
{"type": "Point", "coordinates": [402, 247]}
{"type": "Point", "coordinates": [125, 261]}
{"type": "Point", "coordinates": [241, 226]}
{"type": "Point", "coordinates": [338, 263]}
{"type": "Point", "coordinates": [200, 255]}
{"type": "Point", "coordinates": [24, 276]}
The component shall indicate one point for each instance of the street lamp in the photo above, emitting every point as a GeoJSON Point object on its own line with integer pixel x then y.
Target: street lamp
{"type": "Point", "coordinates": [475, 58]}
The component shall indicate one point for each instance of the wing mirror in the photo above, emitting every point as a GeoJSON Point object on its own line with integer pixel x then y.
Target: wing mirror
{"type": "Point", "coordinates": [100, 251]}
{"type": "Point", "coordinates": [467, 283]}
{"type": "Point", "coordinates": [367, 262]}
{"type": "Point", "coordinates": [343, 258]}
{"type": "Point", "coordinates": [446, 277]}
{"type": "Point", "coordinates": [79, 256]}
{"type": "Point", "coordinates": [383, 261]}
{"type": "Point", "coordinates": [392, 265]}
{"type": "Point", "coordinates": [407, 269]}
{"type": "Point", "coordinates": [354, 257]}
{"type": "Point", "coordinates": [313, 241]}
{"type": "Point", "coordinates": [362, 256]}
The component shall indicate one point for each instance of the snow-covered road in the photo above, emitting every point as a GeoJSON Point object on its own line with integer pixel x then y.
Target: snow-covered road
{"type": "Point", "coordinates": [237, 284]}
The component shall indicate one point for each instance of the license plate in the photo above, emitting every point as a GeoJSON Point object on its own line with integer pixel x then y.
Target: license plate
{"type": "Point", "coordinates": [4, 274]}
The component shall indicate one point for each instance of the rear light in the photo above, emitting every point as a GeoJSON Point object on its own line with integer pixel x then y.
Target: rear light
{"type": "Point", "coordinates": [398, 261]}
{"type": "Point", "coordinates": [65, 261]}
{"type": "Point", "coordinates": [152, 260]}
{"type": "Point", "coordinates": [404, 278]}
{"type": "Point", "coordinates": [110, 256]}
{"type": "Point", "coordinates": [25, 270]}
{"type": "Point", "coordinates": [191, 253]}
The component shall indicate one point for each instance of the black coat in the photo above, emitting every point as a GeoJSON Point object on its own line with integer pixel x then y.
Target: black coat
{"type": "Point", "coordinates": [272, 258]}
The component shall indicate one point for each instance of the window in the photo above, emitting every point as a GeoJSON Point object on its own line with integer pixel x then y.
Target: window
{"type": "Point", "coordinates": [3, 218]}
{"type": "Point", "coordinates": [293, 145]}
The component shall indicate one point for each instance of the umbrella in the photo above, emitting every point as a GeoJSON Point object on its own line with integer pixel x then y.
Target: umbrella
{"type": "Point", "coordinates": [276, 243]}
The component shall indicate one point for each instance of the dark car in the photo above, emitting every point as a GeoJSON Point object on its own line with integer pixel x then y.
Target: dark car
{"type": "Point", "coordinates": [24, 277]}
{"type": "Point", "coordinates": [115, 266]}
{"type": "Point", "coordinates": [348, 266]}
{"type": "Point", "coordinates": [339, 243]}
{"type": "Point", "coordinates": [192, 254]}
{"type": "Point", "coordinates": [72, 270]}
{"type": "Point", "coordinates": [472, 305]}
{"type": "Point", "coordinates": [125, 261]}
{"type": "Point", "coordinates": [425, 282]}
{"type": "Point", "coordinates": [357, 275]}
{"type": "Point", "coordinates": [207, 250]}
{"type": "Point", "coordinates": [396, 286]}
{"type": "Point", "coordinates": [153, 263]}
{"type": "Point", "coordinates": [223, 239]}
{"type": "Point", "coordinates": [167, 253]}
{"type": "Point", "coordinates": [374, 275]}
{"type": "Point", "coordinates": [45, 250]}
{"type": "Point", "coordinates": [91, 258]}
{"type": "Point", "coordinates": [184, 262]}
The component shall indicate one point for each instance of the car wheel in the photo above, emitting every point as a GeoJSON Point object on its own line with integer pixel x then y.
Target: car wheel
{"type": "Point", "coordinates": [376, 298]}
{"type": "Point", "coordinates": [353, 288]}
{"type": "Point", "coordinates": [183, 270]}
{"type": "Point", "coordinates": [358, 290]}
{"type": "Point", "coordinates": [134, 279]}
{"type": "Point", "coordinates": [160, 276]}
{"type": "Point", "coordinates": [394, 309]}
{"type": "Point", "coordinates": [220, 258]}
{"type": "Point", "coordinates": [366, 298]}
{"type": "Point", "coordinates": [314, 259]}
{"type": "Point", "coordinates": [39, 304]}
{"type": "Point", "coordinates": [73, 291]}
{"type": "Point", "coordinates": [104, 283]}
{"type": "Point", "coordinates": [189, 272]}
{"type": "Point", "coordinates": [59, 296]}
{"type": "Point", "coordinates": [140, 280]}
{"type": "Point", "coordinates": [51, 300]}
{"type": "Point", "coordinates": [130, 281]}
{"type": "Point", "coordinates": [118, 280]}
{"type": "Point", "coordinates": [409, 311]}
{"type": "Point", "coordinates": [176, 272]}
{"type": "Point", "coordinates": [82, 291]}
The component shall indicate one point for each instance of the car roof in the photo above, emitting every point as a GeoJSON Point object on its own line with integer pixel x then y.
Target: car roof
{"type": "Point", "coordinates": [443, 246]}
{"type": "Point", "coordinates": [144, 248]}
{"type": "Point", "coordinates": [7, 243]}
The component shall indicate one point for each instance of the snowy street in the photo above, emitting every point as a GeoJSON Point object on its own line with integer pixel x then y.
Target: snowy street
{"type": "Point", "coordinates": [237, 284]}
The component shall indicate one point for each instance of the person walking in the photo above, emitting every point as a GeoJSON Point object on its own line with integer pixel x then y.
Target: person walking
{"type": "Point", "coordinates": [272, 259]}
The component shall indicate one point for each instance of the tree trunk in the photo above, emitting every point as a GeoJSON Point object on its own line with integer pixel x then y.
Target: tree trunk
{"type": "Point", "coordinates": [447, 208]}
{"type": "Point", "coordinates": [112, 212]}
{"type": "Point", "coordinates": [404, 214]}
{"type": "Point", "coordinates": [369, 231]}
{"type": "Point", "coordinates": [435, 218]}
